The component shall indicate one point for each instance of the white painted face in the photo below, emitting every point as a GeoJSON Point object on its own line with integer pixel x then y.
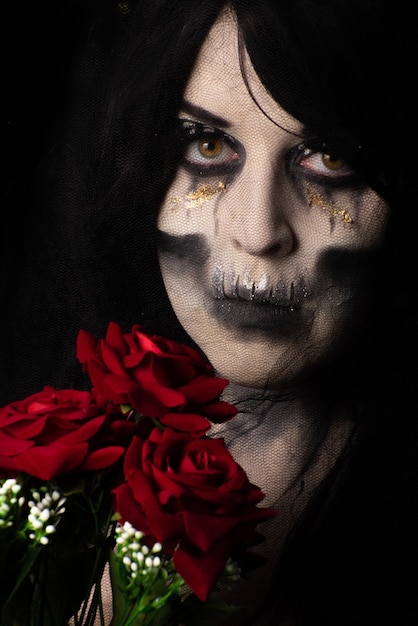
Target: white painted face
{"type": "Point", "coordinates": [265, 238]}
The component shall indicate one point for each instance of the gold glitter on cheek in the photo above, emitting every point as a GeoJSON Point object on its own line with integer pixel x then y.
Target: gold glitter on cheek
{"type": "Point", "coordinates": [199, 196]}
{"type": "Point", "coordinates": [317, 199]}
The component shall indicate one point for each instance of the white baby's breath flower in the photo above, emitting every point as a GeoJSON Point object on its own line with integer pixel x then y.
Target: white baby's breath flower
{"type": "Point", "coordinates": [143, 564]}
{"type": "Point", "coordinates": [157, 547]}
{"type": "Point", "coordinates": [10, 502]}
{"type": "Point", "coordinates": [45, 510]}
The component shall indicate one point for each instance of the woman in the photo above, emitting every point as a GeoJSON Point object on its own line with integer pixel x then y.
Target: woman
{"type": "Point", "coordinates": [252, 193]}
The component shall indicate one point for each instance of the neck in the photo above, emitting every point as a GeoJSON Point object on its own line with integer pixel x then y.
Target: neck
{"type": "Point", "coordinates": [280, 438]}
{"type": "Point", "coordinates": [287, 443]}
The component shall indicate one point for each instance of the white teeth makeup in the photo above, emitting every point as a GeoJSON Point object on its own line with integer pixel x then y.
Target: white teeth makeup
{"type": "Point", "coordinates": [230, 285]}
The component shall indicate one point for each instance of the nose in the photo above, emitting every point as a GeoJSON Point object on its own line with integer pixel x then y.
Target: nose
{"type": "Point", "coordinates": [261, 224]}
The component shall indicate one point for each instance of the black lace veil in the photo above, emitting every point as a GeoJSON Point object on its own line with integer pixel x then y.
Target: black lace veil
{"type": "Point", "coordinates": [91, 100]}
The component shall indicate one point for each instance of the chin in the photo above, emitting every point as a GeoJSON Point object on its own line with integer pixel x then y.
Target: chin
{"type": "Point", "coordinates": [246, 371]}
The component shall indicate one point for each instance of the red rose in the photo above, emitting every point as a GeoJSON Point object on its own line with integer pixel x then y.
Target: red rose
{"type": "Point", "coordinates": [190, 495]}
{"type": "Point", "coordinates": [152, 374]}
{"type": "Point", "coordinates": [53, 432]}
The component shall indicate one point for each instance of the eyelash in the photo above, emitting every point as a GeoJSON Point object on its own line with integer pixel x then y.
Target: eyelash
{"type": "Point", "coordinates": [225, 155]}
{"type": "Point", "coordinates": [321, 165]}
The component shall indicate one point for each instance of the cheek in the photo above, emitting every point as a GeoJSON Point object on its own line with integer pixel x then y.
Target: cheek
{"type": "Point", "coordinates": [191, 205]}
{"type": "Point", "coordinates": [179, 253]}
{"type": "Point", "coordinates": [183, 260]}
{"type": "Point", "coordinates": [374, 220]}
{"type": "Point", "coordinates": [354, 219]}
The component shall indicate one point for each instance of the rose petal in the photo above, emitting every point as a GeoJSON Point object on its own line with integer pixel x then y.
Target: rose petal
{"type": "Point", "coordinates": [105, 457]}
{"type": "Point", "coordinates": [128, 509]}
{"type": "Point", "coordinates": [84, 432]}
{"type": "Point", "coordinates": [203, 389]}
{"type": "Point", "coordinates": [197, 425]}
{"type": "Point", "coordinates": [115, 338]}
{"type": "Point", "coordinates": [204, 531]}
{"type": "Point", "coordinates": [85, 346]}
{"type": "Point", "coordinates": [10, 446]}
{"type": "Point", "coordinates": [48, 462]}
{"type": "Point", "coordinates": [144, 342]}
{"type": "Point", "coordinates": [23, 426]}
{"type": "Point", "coordinates": [201, 570]}
{"type": "Point", "coordinates": [111, 359]}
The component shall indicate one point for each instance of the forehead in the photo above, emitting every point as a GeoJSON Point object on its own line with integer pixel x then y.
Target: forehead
{"type": "Point", "coordinates": [217, 79]}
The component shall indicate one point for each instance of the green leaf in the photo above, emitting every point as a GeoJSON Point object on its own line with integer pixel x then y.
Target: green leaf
{"type": "Point", "coordinates": [24, 568]}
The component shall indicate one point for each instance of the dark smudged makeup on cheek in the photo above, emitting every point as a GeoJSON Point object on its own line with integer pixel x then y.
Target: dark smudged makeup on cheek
{"type": "Point", "coordinates": [190, 247]}
{"type": "Point", "coordinates": [349, 267]}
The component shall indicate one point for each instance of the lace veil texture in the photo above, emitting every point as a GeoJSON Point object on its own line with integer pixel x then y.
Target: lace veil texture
{"type": "Point", "coordinates": [103, 188]}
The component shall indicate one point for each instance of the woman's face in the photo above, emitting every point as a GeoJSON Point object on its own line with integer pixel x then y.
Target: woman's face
{"type": "Point", "coordinates": [265, 238]}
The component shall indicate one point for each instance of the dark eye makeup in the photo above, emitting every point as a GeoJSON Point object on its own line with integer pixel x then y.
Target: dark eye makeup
{"type": "Point", "coordinates": [209, 151]}
{"type": "Point", "coordinates": [315, 161]}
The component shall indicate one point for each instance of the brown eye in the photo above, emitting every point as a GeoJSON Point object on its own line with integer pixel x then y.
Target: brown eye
{"type": "Point", "coordinates": [323, 166]}
{"type": "Point", "coordinates": [331, 163]}
{"type": "Point", "coordinates": [209, 151]}
{"type": "Point", "coordinates": [210, 148]}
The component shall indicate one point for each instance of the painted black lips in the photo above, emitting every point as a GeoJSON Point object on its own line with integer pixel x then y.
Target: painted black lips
{"type": "Point", "coordinates": [260, 316]}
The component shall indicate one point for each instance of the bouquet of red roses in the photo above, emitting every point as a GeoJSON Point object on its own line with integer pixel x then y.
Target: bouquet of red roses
{"type": "Point", "coordinates": [125, 477]}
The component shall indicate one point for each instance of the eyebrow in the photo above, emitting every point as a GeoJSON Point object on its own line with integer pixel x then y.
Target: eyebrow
{"type": "Point", "coordinates": [203, 115]}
